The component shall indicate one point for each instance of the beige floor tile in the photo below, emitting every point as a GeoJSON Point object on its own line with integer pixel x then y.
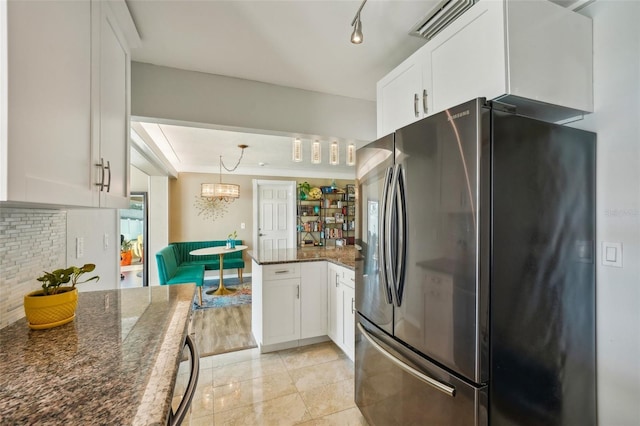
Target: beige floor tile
{"type": "Point", "coordinates": [282, 411]}
{"type": "Point", "coordinates": [329, 398]}
{"type": "Point", "coordinates": [349, 417]}
{"type": "Point", "coordinates": [311, 355]}
{"type": "Point", "coordinates": [246, 370]}
{"type": "Point", "coordinates": [234, 395]}
{"type": "Point", "coordinates": [313, 376]}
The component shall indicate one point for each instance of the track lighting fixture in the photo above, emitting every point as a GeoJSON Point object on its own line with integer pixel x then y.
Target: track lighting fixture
{"type": "Point", "coordinates": [356, 36]}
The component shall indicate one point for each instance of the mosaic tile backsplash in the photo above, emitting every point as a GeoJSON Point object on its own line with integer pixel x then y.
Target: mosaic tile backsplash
{"type": "Point", "coordinates": [31, 240]}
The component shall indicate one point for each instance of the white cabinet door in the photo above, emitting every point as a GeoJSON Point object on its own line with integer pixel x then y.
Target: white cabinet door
{"type": "Point", "coordinates": [399, 96]}
{"type": "Point", "coordinates": [280, 311]}
{"type": "Point", "coordinates": [468, 58]}
{"type": "Point", "coordinates": [112, 121]}
{"type": "Point", "coordinates": [313, 299]}
{"type": "Point", "coordinates": [348, 320]}
{"type": "Point", "coordinates": [45, 130]}
{"type": "Point", "coordinates": [334, 330]}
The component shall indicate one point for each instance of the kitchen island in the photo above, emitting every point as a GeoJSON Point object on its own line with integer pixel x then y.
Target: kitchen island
{"type": "Point", "coordinates": [116, 363]}
{"type": "Point", "coordinates": [343, 256]}
{"type": "Point", "coordinates": [303, 296]}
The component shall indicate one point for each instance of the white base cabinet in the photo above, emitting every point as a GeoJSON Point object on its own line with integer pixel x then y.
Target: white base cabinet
{"type": "Point", "coordinates": [341, 289]}
{"type": "Point", "coordinates": [534, 55]}
{"type": "Point", "coordinates": [289, 304]}
{"type": "Point", "coordinates": [64, 104]}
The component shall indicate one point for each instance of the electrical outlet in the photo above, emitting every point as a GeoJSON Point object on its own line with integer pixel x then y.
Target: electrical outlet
{"type": "Point", "coordinates": [242, 225]}
{"type": "Point", "coordinates": [79, 247]}
{"type": "Point", "coordinates": [105, 241]}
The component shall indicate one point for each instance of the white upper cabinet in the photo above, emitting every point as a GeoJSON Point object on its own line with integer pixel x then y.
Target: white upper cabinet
{"type": "Point", "coordinates": [46, 102]}
{"type": "Point", "coordinates": [534, 55]}
{"type": "Point", "coordinates": [111, 107]}
{"type": "Point", "coordinates": [403, 95]}
{"type": "Point", "coordinates": [64, 93]}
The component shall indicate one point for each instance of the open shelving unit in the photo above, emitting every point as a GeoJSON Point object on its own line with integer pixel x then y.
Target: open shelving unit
{"type": "Point", "coordinates": [325, 221]}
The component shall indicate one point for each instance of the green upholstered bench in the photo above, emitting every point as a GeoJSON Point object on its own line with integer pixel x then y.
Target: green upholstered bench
{"type": "Point", "coordinates": [171, 272]}
{"type": "Point", "coordinates": [210, 262]}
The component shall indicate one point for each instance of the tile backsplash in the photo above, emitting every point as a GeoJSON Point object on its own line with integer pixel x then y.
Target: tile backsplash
{"type": "Point", "coordinates": [31, 241]}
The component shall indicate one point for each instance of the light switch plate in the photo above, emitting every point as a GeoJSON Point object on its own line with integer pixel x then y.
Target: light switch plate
{"type": "Point", "coordinates": [612, 254]}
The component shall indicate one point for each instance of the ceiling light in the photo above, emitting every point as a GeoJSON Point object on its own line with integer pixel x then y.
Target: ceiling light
{"type": "Point", "coordinates": [316, 153]}
{"type": "Point", "coordinates": [351, 155]}
{"type": "Point", "coordinates": [334, 155]}
{"type": "Point", "coordinates": [296, 153]}
{"type": "Point", "coordinates": [223, 191]}
{"type": "Point", "coordinates": [356, 36]}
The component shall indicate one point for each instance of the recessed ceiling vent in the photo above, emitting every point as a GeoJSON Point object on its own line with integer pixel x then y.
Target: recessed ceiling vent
{"type": "Point", "coordinates": [442, 14]}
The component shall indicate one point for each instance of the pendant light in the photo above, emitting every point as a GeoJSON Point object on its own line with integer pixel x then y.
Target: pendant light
{"type": "Point", "coordinates": [296, 152]}
{"type": "Point", "coordinates": [316, 153]}
{"type": "Point", "coordinates": [334, 154]}
{"type": "Point", "coordinates": [227, 192]}
{"type": "Point", "coordinates": [351, 155]}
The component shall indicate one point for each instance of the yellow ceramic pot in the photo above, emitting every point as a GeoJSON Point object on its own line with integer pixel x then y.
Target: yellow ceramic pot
{"type": "Point", "coordinates": [51, 310]}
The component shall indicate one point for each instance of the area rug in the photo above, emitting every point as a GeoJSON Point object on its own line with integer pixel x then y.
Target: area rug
{"type": "Point", "coordinates": [241, 296]}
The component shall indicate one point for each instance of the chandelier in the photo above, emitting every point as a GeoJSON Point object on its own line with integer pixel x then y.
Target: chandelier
{"type": "Point", "coordinates": [227, 192]}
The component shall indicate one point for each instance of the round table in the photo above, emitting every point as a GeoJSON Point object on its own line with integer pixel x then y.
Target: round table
{"type": "Point", "coordinates": [220, 251]}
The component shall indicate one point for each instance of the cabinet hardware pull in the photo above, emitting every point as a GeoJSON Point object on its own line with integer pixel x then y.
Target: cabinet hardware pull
{"type": "Point", "coordinates": [108, 168]}
{"type": "Point", "coordinates": [101, 183]}
{"type": "Point", "coordinates": [353, 305]}
{"type": "Point", "coordinates": [425, 106]}
{"type": "Point", "coordinates": [298, 295]}
{"type": "Point", "coordinates": [337, 280]}
{"type": "Point", "coordinates": [182, 410]}
{"type": "Point", "coordinates": [282, 271]}
{"type": "Point", "coordinates": [415, 105]}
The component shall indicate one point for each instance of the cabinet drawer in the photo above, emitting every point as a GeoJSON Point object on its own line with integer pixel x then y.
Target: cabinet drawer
{"type": "Point", "coordinates": [346, 277]}
{"type": "Point", "coordinates": [284, 270]}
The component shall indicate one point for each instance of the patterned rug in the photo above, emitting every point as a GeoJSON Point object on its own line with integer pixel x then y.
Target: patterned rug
{"type": "Point", "coordinates": [242, 295]}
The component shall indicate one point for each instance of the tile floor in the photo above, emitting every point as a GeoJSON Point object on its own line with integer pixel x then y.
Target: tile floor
{"type": "Point", "coordinates": [311, 385]}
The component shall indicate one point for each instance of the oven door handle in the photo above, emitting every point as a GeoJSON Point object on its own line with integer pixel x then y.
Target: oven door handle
{"type": "Point", "coordinates": [442, 387]}
{"type": "Point", "coordinates": [176, 418]}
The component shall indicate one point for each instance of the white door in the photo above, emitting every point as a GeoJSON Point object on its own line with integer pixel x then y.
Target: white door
{"type": "Point", "coordinates": [274, 214]}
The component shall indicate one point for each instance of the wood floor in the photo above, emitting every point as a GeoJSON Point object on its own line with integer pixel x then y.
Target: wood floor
{"type": "Point", "coordinates": [220, 330]}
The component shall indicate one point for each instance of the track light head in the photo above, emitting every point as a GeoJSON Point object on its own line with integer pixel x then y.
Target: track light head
{"type": "Point", "coordinates": [356, 37]}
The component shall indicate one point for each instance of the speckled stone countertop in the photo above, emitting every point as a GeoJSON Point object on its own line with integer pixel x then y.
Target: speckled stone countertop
{"type": "Point", "coordinates": [344, 256]}
{"type": "Point", "coordinates": [115, 364]}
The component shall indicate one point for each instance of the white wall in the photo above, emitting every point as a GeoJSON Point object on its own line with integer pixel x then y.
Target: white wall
{"type": "Point", "coordinates": [173, 94]}
{"type": "Point", "coordinates": [139, 180]}
{"type": "Point", "coordinates": [616, 30]}
{"type": "Point", "coordinates": [92, 226]}
{"type": "Point", "coordinates": [158, 222]}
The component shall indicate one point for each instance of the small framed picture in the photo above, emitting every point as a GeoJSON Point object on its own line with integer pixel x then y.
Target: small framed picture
{"type": "Point", "coordinates": [351, 192]}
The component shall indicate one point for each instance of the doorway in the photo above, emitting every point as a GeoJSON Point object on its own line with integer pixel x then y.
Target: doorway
{"type": "Point", "coordinates": [134, 225]}
{"type": "Point", "coordinates": [274, 210]}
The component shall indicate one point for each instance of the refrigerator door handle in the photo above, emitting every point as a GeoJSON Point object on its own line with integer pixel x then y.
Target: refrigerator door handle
{"type": "Point", "coordinates": [382, 226]}
{"type": "Point", "coordinates": [396, 212]}
{"type": "Point", "coordinates": [442, 387]}
{"type": "Point", "coordinates": [402, 233]}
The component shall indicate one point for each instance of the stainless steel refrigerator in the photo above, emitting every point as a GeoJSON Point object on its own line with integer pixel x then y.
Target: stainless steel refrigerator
{"type": "Point", "coordinates": [475, 279]}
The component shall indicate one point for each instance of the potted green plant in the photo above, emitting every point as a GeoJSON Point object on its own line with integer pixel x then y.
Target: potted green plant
{"type": "Point", "coordinates": [55, 304]}
{"type": "Point", "coordinates": [126, 253]}
{"type": "Point", "coordinates": [231, 240]}
{"type": "Point", "coordinates": [303, 190]}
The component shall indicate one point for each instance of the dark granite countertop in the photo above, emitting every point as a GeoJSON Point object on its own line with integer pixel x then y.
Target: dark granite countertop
{"type": "Point", "coordinates": [343, 256]}
{"type": "Point", "coordinates": [116, 363]}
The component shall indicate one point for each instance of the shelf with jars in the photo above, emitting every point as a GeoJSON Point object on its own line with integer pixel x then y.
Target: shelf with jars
{"type": "Point", "coordinates": [329, 220]}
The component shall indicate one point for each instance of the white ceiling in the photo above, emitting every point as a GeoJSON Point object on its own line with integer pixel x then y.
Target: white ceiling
{"type": "Point", "coordinates": [303, 44]}
{"type": "Point", "coordinates": [198, 150]}
{"type": "Point", "coordinates": [297, 43]}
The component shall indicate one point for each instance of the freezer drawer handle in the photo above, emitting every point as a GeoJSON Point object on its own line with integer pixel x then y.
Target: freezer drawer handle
{"type": "Point", "coordinates": [446, 389]}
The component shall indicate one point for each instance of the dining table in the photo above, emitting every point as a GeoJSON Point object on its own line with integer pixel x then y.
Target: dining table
{"type": "Point", "coordinates": [220, 251]}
